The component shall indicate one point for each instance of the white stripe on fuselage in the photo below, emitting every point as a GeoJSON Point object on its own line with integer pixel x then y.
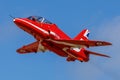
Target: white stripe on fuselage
{"type": "Point", "coordinates": [44, 31]}
{"type": "Point", "coordinates": [51, 32]}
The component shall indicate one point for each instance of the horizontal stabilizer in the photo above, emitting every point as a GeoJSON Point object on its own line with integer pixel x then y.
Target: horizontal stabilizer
{"type": "Point", "coordinates": [98, 54]}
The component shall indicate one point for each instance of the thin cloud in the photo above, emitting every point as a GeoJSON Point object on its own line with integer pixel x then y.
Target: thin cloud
{"type": "Point", "coordinates": [110, 31]}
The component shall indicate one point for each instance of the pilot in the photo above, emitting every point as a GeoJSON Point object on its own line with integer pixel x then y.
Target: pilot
{"type": "Point", "coordinates": [33, 18]}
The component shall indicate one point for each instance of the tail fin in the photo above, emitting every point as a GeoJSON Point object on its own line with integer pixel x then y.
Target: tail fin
{"type": "Point", "coordinates": [83, 35]}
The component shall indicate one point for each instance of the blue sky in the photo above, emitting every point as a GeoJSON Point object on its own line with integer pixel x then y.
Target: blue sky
{"type": "Point", "coordinates": [101, 17]}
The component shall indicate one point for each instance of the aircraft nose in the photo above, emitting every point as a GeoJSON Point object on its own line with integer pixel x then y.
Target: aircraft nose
{"type": "Point", "coordinates": [15, 19]}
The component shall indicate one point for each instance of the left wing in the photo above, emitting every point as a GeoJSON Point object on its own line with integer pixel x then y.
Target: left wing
{"type": "Point", "coordinates": [81, 43]}
{"type": "Point", "coordinates": [33, 47]}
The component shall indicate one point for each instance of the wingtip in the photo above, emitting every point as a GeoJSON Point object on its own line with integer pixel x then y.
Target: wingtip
{"type": "Point", "coordinates": [108, 43]}
{"type": "Point", "coordinates": [107, 56]}
{"type": "Point", "coordinates": [103, 43]}
{"type": "Point", "coordinates": [20, 51]}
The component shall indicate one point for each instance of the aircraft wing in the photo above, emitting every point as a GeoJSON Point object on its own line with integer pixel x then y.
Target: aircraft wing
{"type": "Point", "coordinates": [33, 47]}
{"type": "Point", "coordinates": [81, 43]}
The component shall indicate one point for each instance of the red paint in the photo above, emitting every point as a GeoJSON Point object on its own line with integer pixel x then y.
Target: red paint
{"type": "Point", "coordinates": [50, 37]}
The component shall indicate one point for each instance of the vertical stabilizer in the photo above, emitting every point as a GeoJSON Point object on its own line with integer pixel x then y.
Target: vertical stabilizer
{"type": "Point", "coordinates": [83, 35]}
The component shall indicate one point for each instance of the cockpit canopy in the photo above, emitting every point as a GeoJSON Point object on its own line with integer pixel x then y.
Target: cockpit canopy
{"type": "Point", "coordinates": [39, 19]}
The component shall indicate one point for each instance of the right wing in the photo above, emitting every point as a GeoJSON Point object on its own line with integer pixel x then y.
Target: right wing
{"type": "Point", "coordinates": [79, 43]}
{"type": "Point", "coordinates": [33, 47]}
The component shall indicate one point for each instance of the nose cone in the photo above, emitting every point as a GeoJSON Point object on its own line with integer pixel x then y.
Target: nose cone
{"type": "Point", "coordinates": [18, 21]}
{"type": "Point", "coordinates": [15, 20]}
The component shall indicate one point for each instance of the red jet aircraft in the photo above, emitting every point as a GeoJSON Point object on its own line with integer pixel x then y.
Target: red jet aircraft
{"type": "Point", "coordinates": [49, 37]}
